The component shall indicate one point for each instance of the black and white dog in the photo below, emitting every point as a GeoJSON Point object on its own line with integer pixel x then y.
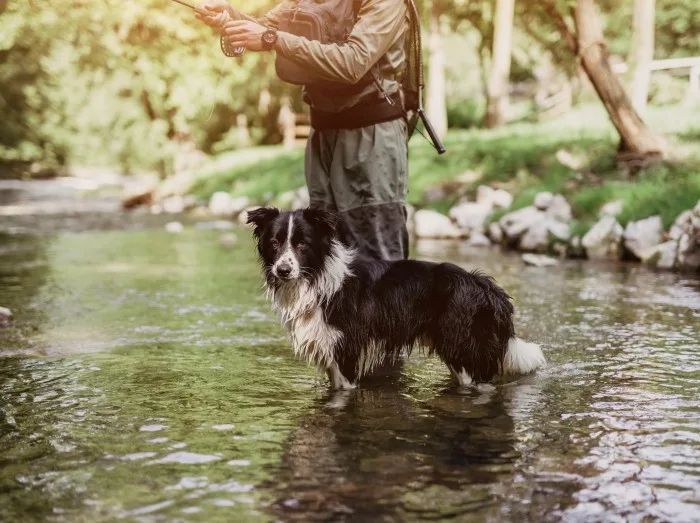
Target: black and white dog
{"type": "Point", "coordinates": [347, 315]}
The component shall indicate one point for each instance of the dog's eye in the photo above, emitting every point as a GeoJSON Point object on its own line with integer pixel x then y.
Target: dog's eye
{"type": "Point", "coordinates": [301, 245]}
{"type": "Point", "coordinates": [275, 244]}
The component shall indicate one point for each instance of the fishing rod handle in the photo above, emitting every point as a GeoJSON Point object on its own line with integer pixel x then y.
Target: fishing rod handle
{"type": "Point", "coordinates": [431, 132]}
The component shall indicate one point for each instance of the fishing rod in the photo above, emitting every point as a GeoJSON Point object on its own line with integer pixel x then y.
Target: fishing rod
{"type": "Point", "coordinates": [227, 50]}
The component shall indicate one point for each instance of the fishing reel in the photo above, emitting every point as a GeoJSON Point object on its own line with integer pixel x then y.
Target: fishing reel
{"type": "Point", "coordinates": [228, 50]}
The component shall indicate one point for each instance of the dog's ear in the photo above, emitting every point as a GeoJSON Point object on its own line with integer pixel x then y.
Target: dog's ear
{"type": "Point", "coordinates": [260, 217]}
{"type": "Point", "coordinates": [324, 221]}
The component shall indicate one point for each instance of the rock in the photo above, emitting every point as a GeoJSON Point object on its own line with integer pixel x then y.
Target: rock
{"type": "Point", "coordinates": [689, 251]}
{"type": "Point", "coordinates": [641, 236]}
{"type": "Point", "coordinates": [538, 260]}
{"type": "Point", "coordinates": [485, 195]}
{"type": "Point", "coordinates": [228, 240]}
{"type": "Point", "coordinates": [603, 240]}
{"type": "Point", "coordinates": [431, 224]}
{"type": "Point", "coordinates": [471, 216]}
{"type": "Point", "coordinates": [173, 205]}
{"type": "Point", "coordinates": [222, 204]}
{"type": "Point", "coordinates": [569, 160]}
{"type": "Point", "coordinates": [478, 240]}
{"type": "Point", "coordinates": [682, 223]}
{"type": "Point", "coordinates": [178, 184]}
{"type": "Point", "coordinates": [156, 209]}
{"type": "Point", "coordinates": [139, 192]}
{"type": "Point", "coordinates": [174, 227]}
{"type": "Point", "coordinates": [516, 223]}
{"type": "Point", "coordinates": [495, 232]}
{"type": "Point", "coordinates": [574, 249]}
{"type": "Point", "coordinates": [5, 317]}
{"type": "Point", "coordinates": [302, 199]}
{"type": "Point", "coordinates": [216, 225]}
{"type": "Point", "coordinates": [611, 208]}
{"type": "Point", "coordinates": [559, 231]}
{"type": "Point", "coordinates": [543, 200]}
{"type": "Point", "coordinates": [502, 198]}
{"type": "Point", "coordinates": [662, 256]}
{"type": "Point", "coordinates": [536, 238]}
{"type": "Point", "coordinates": [559, 208]}
{"type": "Point", "coordinates": [201, 212]}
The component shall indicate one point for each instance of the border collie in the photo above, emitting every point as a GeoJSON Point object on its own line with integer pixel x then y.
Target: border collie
{"type": "Point", "coordinates": [347, 315]}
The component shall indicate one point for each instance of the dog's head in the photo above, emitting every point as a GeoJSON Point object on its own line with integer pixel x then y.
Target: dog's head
{"type": "Point", "coordinates": [293, 245]}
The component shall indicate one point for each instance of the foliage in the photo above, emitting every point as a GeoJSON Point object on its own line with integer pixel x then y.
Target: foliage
{"type": "Point", "coordinates": [521, 158]}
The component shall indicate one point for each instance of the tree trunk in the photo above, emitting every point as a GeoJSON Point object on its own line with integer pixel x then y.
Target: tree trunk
{"type": "Point", "coordinates": [641, 53]}
{"type": "Point", "coordinates": [497, 103]}
{"type": "Point", "coordinates": [435, 104]}
{"type": "Point", "coordinates": [636, 138]}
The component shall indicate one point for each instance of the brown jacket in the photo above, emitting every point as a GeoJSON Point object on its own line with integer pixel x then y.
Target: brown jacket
{"type": "Point", "coordinates": [377, 38]}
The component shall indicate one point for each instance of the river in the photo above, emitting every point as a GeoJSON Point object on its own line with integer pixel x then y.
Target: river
{"type": "Point", "coordinates": [146, 379]}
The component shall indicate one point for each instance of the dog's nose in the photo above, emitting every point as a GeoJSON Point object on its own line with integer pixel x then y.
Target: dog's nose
{"type": "Point", "coordinates": [284, 270]}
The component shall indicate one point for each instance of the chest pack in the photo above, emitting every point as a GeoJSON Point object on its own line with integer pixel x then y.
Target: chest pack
{"type": "Point", "coordinates": [331, 22]}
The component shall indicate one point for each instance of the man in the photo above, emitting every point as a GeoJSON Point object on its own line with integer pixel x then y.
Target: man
{"type": "Point", "coordinates": [356, 155]}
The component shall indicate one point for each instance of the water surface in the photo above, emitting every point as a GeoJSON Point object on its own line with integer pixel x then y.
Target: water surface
{"type": "Point", "coordinates": [146, 379]}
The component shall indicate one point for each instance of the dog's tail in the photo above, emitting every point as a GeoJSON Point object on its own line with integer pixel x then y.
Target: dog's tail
{"type": "Point", "coordinates": [522, 357]}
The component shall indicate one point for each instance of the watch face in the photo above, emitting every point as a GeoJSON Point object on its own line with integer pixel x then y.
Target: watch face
{"type": "Point", "coordinates": [269, 37]}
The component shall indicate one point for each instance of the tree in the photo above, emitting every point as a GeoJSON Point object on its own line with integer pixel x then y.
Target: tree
{"type": "Point", "coordinates": [641, 52]}
{"type": "Point", "coordinates": [588, 44]}
{"type": "Point", "coordinates": [435, 104]}
{"type": "Point", "coordinates": [497, 102]}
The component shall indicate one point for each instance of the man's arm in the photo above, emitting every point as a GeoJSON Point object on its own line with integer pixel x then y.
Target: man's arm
{"type": "Point", "coordinates": [379, 23]}
{"type": "Point", "coordinates": [221, 12]}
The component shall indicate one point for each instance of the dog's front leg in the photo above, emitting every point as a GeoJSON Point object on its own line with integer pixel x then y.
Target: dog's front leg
{"type": "Point", "coordinates": [338, 381]}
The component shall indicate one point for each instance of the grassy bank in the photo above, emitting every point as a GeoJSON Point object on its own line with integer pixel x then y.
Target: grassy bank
{"type": "Point", "coordinates": [521, 158]}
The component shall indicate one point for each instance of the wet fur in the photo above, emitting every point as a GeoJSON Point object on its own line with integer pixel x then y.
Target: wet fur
{"type": "Point", "coordinates": [348, 315]}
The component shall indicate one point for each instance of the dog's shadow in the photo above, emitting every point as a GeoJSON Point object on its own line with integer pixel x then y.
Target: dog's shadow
{"type": "Point", "coordinates": [371, 452]}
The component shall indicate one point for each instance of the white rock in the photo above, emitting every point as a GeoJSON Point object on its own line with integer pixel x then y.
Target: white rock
{"type": "Point", "coordinates": [569, 160]}
{"type": "Point", "coordinates": [689, 251]}
{"type": "Point", "coordinates": [682, 223]}
{"type": "Point", "coordinates": [502, 198]}
{"type": "Point", "coordinates": [478, 240]}
{"type": "Point", "coordinates": [543, 200]}
{"type": "Point", "coordinates": [662, 256]}
{"type": "Point", "coordinates": [214, 225]}
{"type": "Point", "coordinates": [611, 208]}
{"type": "Point", "coordinates": [239, 204]}
{"type": "Point", "coordinates": [559, 208]}
{"type": "Point", "coordinates": [537, 260]}
{"type": "Point", "coordinates": [536, 239]}
{"type": "Point", "coordinates": [560, 231]}
{"type": "Point", "coordinates": [139, 191]}
{"type": "Point", "coordinates": [643, 235]}
{"type": "Point", "coordinates": [5, 317]}
{"type": "Point", "coordinates": [484, 195]}
{"type": "Point", "coordinates": [174, 227]}
{"type": "Point", "coordinates": [285, 200]}
{"type": "Point", "coordinates": [495, 232]}
{"type": "Point", "coordinates": [173, 205]}
{"type": "Point", "coordinates": [471, 216]}
{"type": "Point", "coordinates": [301, 198]}
{"type": "Point", "coordinates": [603, 240]}
{"type": "Point", "coordinates": [514, 224]}
{"type": "Point", "coordinates": [220, 204]}
{"type": "Point", "coordinates": [431, 224]}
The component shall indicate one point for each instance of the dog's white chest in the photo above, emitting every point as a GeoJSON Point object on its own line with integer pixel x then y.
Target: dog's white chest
{"type": "Point", "coordinates": [313, 339]}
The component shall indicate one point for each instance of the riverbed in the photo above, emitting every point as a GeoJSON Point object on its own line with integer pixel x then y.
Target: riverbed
{"type": "Point", "coordinates": [145, 378]}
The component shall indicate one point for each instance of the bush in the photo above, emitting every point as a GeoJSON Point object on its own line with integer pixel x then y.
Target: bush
{"type": "Point", "coordinates": [465, 114]}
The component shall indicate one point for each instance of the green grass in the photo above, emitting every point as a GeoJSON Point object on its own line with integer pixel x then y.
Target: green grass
{"type": "Point", "coordinates": [520, 158]}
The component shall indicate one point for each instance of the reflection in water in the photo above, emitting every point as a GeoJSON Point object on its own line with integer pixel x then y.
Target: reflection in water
{"type": "Point", "coordinates": [146, 379]}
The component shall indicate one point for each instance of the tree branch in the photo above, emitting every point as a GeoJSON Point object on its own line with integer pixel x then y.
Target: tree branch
{"type": "Point", "coordinates": [559, 21]}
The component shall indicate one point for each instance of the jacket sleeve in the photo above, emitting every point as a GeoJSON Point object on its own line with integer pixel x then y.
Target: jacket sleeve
{"type": "Point", "coordinates": [378, 25]}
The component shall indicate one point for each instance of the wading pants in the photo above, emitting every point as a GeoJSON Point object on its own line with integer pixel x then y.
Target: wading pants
{"type": "Point", "coordinates": [363, 174]}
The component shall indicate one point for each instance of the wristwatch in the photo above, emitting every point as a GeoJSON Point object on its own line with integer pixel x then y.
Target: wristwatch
{"type": "Point", "coordinates": [269, 38]}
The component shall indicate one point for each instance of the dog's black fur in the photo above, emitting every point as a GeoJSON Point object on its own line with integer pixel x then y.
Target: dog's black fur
{"type": "Point", "coordinates": [373, 306]}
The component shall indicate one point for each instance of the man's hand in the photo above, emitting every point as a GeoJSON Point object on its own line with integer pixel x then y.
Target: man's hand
{"type": "Point", "coordinates": [217, 13]}
{"type": "Point", "coordinates": [244, 33]}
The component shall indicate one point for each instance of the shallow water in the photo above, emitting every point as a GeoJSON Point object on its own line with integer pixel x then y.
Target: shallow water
{"type": "Point", "coordinates": [146, 379]}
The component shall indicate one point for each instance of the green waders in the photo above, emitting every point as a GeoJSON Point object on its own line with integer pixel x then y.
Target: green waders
{"type": "Point", "coordinates": [363, 174]}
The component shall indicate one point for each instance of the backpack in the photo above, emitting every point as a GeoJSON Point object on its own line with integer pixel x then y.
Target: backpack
{"type": "Point", "coordinates": [331, 21]}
